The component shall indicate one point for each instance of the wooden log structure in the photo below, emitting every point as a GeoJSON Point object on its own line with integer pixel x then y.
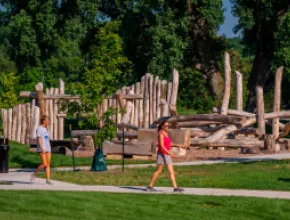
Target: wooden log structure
{"type": "Point", "coordinates": [151, 99]}
{"type": "Point", "coordinates": [231, 119]}
{"type": "Point", "coordinates": [158, 99]}
{"type": "Point", "coordinates": [127, 126]}
{"type": "Point", "coordinates": [18, 123]}
{"type": "Point", "coordinates": [23, 124]}
{"type": "Point", "coordinates": [234, 112]}
{"type": "Point", "coordinates": [140, 148]}
{"type": "Point", "coordinates": [239, 85]}
{"type": "Point", "coordinates": [164, 108]}
{"type": "Point", "coordinates": [51, 114]}
{"type": "Point", "coordinates": [128, 134]}
{"type": "Point", "coordinates": [5, 122]}
{"type": "Point", "coordinates": [190, 124]}
{"type": "Point", "coordinates": [136, 104]}
{"type": "Point", "coordinates": [175, 86]}
{"type": "Point", "coordinates": [9, 135]}
{"type": "Point", "coordinates": [79, 133]}
{"type": "Point", "coordinates": [146, 101]}
{"type": "Point", "coordinates": [227, 85]}
{"type": "Point", "coordinates": [61, 119]}
{"type": "Point", "coordinates": [155, 97]}
{"type": "Point", "coordinates": [277, 102]}
{"type": "Point", "coordinates": [232, 143]}
{"type": "Point", "coordinates": [285, 131]}
{"type": "Point", "coordinates": [141, 110]}
{"type": "Point", "coordinates": [129, 108]}
{"type": "Point", "coordinates": [260, 111]}
{"type": "Point", "coordinates": [28, 122]}
{"type": "Point", "coordinates": [56, 119]}
{"type": "Point", "coordinates": [32, 95]}
{"type": "Point", "coordinates": [14, 123]}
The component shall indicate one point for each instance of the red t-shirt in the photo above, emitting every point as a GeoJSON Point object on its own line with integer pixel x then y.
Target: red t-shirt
{"type": "Point", "coordinates": [167, 142]}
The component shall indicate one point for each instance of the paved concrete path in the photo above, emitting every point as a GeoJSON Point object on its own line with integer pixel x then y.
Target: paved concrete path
{"type": "Point", "coordinates": [20, 181]}
{"type": "Point", "coordinates": [189, 163]}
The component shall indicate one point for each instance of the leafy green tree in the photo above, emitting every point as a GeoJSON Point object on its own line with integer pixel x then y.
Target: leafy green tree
{"type": "Point", "coordinates": [8, 96]}
{"type": "Point", "coordinates": [259, 22]}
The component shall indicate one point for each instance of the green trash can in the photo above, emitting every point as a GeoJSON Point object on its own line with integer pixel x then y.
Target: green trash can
{"type": "Point", "coordinates": [99, 161]}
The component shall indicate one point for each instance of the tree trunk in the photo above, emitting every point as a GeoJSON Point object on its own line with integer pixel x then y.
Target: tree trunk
{"type": "Point", "coordinates": [227, 86]}
{"type": "Point", "coordinates": [260, 111]}
{"type": "Point", "coordinates": [227, 143]}
{"type": "Point", "coordinates": [239, 81]}
{"type": "Point", "coordinates": [61, 119]}
{"type": "Point", "coordinates": [277, 101]}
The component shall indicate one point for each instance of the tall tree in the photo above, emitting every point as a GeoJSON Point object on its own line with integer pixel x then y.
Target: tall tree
{"type": "Point", "coordinates": [259, 21]}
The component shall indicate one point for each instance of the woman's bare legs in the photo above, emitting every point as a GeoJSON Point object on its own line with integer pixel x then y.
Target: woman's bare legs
{"type": "Point", "coordinates": [45, 158]}
{"type": "Point", "coordinates": [48, 159]}
{"type": "Point", "coordinates": [41, 166]}
{"type": "Point", "coordinates": [172, 175]}
{"type": "Point", "coordinates": [156, 174]}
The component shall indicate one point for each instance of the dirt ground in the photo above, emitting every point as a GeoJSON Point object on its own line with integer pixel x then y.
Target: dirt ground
{"type": "Point", "coordinates": [192, 154]}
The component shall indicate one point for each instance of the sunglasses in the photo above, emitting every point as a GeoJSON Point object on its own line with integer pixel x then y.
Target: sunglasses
{"type": "Point", "coordinates": [165, 125]}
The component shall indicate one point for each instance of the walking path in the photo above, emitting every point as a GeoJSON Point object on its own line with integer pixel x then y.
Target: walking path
{"type": "Point", "coordinates": [19, 180]}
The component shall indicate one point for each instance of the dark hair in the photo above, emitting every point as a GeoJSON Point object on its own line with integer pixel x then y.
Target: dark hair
{"type": "Point", "coordinates": [161, 125]}
{"type": "Point", "coordinates": [42, 119]}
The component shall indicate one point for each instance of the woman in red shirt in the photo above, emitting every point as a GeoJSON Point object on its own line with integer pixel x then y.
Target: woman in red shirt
{"type": "Point", "coordinates": [164, 157]}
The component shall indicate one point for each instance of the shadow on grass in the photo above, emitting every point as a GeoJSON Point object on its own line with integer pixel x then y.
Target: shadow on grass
{"type": "Point", "coordinates": [133, 188]}
{"type": "Point", "coordinates": [24, 163]}
{"type": "Point", "coordinates": [286, 180]}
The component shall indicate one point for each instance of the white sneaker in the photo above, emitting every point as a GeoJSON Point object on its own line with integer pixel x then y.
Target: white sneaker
{"type": "Point", "coordinates": [32, 177]}
{"type": "Point", "coordinates": [48, 182]}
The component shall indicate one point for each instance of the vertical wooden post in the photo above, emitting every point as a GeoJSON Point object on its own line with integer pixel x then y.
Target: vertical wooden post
{"type": "Point", "coordinates": [277, 104]}
{"type": "Point", "coordinates": [55, 113]}
{"type": "Point", "coordinates": [239, 81]}
{"type": "Point", "coordinates": [10, 123]}
{"type": "Point", "coordinates": [151, 99]}
{"type": "Point", "coordinates": [28, 123]}
{"type": "Point", "coordinates": [5, 122]}
{"type": "Point", "coordinates": [158, 99]}
{"type": "Point", "coordinates": [146, 101]}
{"type": "Point", "coordinates": [23, 123]}
{"type": "Point", "coordinates": [35, 121]}
{"type": "Point", "coordinates": [163, 89]}
{"type": "Point", "coordinates": [175, 84]}
{"type": "Point", "coordinates": [18, 124]}
{"type": "Point", "coordinates": [61, 119]}
{"type": "Point", "coordinates": [14, 123]}
{"type": "Point", "coordinates": [227, 85]}
{"type": "Point", "coordinates": [260, 111]}
{"type": "Point", "coordinates": [39, 95]}
{"type": "Point", "coordinates": [154, 105]}
{"type": "Point", "coordinates": [131, 91]}
{"type": "Point", "coordinates": [32, 118]}
{"type": "Point", "coordinates": [169, 90]}
{"type": "Point", "coordinates": [136, 107]}
{"type": "Point", "coordinates": [141, 103]}
{"type": "Point", "coordinates": [47, 91]}
{"type": "Point", "coordinates": [164, 108]}
{"type": "Point", "coordinates": [51, 115]}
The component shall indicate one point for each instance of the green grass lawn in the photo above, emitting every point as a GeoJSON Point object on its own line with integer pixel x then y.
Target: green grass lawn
{"type": "Point", "coordinates": [32, 205]}
{"type": "Point", "coordinates": [21, 157]}
{"type": "Point", "coordinates": [271, 175]}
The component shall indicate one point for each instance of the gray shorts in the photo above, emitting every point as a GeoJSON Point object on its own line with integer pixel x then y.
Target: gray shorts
{"type": "Point", "coordinates": [163, 158]}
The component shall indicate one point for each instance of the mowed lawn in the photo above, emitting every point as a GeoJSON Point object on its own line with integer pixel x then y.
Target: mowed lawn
{"type": "Point", "coordinates": [270, 175]}
{"type": "Point", "coordinates": [21, 157]}
{"type": "Point", "coordinates": [31, 205]}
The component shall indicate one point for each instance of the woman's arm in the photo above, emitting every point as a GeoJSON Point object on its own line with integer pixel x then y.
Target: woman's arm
{"type": "Point", "coordinates": [39, 140]}
{"type": "Point", "coordinates": [161, 142]}
{"type": "Point", "coordinates": [176, 145]}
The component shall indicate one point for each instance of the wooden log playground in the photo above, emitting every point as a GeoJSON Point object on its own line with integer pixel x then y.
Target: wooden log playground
{"type": "Point", "coordinates": [151, 101]}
